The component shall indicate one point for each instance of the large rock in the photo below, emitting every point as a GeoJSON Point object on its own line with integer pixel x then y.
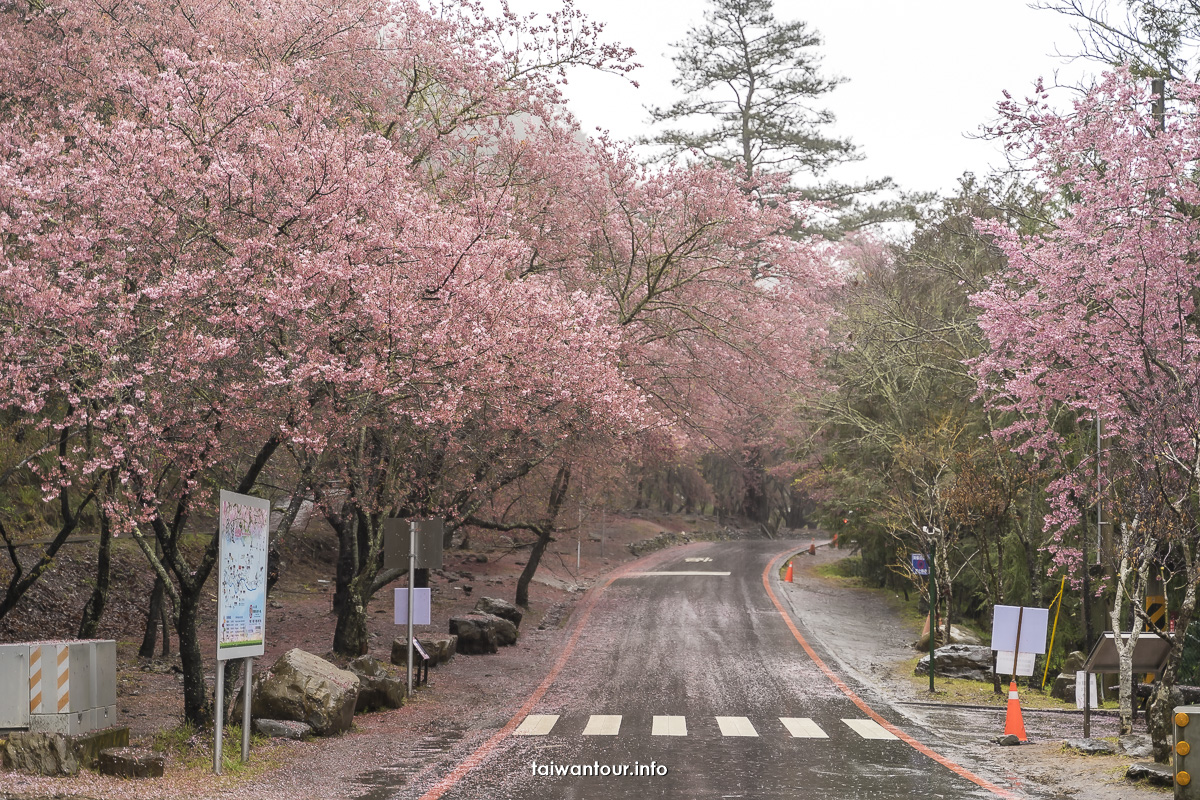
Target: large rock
{"type": "Point", "coordinates": [482, 633]}
{"type": "Point", "coordinates": [957, 636]}
{"type": "Point", "coordinates": [282, 728]}
{"type": "Point", "coordinates": [40, 754]}
{"type": "Point", "coordinates": [1064, 685]}
{"type": "Point", "coordinates": [973, 662]}
{"type": "Point", "coordinates": [377, 688]}
{"type": "Point", "coordinates": [440, 649]}
{"type": "Point", "coordinates": [56, 753]}
{"type": "Point", "coordinates": [500, 608]}
{"type": "Point", "coordinates": [305, 688]}
{"type": "Point", "coordinates": [1090, 747]}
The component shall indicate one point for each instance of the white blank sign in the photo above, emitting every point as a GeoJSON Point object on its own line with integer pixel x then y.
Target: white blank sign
{"type": "Point", "coordinates": [1004, 662]}
{"type": "Point", "coordinates": [421, 602]}
{"type": "Point", "coordinates": [1079, 698]}
{"type": "Point", "coordinates": [1033, 630]}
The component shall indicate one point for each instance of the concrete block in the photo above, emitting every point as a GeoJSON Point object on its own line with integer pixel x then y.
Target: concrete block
{"type": "Point", "coordinates": [104, 717]}
{"type": "Point", "coordinates": [68, 724]}
{"type": "Point", "coordinates": [14, 685]}
{"type": "Point", "coordinates": [79, 663]}
{"type": "Point", "coordinates": [104, 674]}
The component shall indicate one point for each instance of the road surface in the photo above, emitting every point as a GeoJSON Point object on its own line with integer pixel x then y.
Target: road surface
{"type": "Point", "coordinates": [689, 677]}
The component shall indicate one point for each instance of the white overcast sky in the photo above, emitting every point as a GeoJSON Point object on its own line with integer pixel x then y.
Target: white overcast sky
{"type": "Point", "coordinates": [923, 74]}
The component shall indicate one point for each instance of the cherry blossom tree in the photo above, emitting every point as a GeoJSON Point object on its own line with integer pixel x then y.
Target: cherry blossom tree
{"type": "Point", "coordinates": [1097, 317]}
{"type": "Point", "coordinates": [220, 236]}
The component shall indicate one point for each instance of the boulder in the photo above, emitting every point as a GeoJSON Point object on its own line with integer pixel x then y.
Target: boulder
{"type": "Point", "coordinates": [377, 688]}
{"type": "Point", "coordinates": [305, 688]}
{"type": "Point", "coordinates": [282, 728]}
{"type": "Point", "coordinates": [440, 649]}
{"type": "Point", "coordinates": [500, 608]}
{"type": "Point", "coordinates": [506, 631]}
{"type": "Point", "coordinates": [1063, 687]}
{"type": "Point", "coordinates": [1155, 774]}
{"type": "Point", "coordinates": [1136, 745]}
{"type": "Point", "coordinates": [482, 633]}
{"type": "Point", "coordinates": [131, 762]}
{"type": "Point", "coordinates": [1090, 747]}
{"type": "Point", "coordinates": [957, 636]}
{"type": "Point", "coordinates": [40, 754]}
{"type": "Point", "coordinates": [973, 662]}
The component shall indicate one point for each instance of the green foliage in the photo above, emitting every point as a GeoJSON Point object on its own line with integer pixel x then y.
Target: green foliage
{"type": "Point", "coordinates": [905, 449]}
{"type": "Point", "coordinates": [752, 88]}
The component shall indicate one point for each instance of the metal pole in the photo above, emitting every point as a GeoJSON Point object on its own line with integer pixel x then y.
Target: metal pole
{"type": "Point", "coordinates": [220, 717]}
{"type": "Point", "coordinates": [1017, 644]}
{"type": "Point", "coordinates": [1087, 704]}
{"type": "Point", "coordinates": [412, 567]}
{"type": "Point", "coordinates": [578, 553]}
{"type": "Point", "coordinates": [1054, 630]}
{"type": "Point", "coordinates": [247, 697]}
{"type": "Point", "coordinates": [932, 614]}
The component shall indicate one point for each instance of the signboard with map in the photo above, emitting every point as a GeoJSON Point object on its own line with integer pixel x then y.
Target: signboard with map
{"type": "Point", "coordinates": [242, 576]}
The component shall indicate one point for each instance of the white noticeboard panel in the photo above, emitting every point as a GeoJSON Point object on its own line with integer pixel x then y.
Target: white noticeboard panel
{"type": "Point", "coordinates": [1033, 630]}
{"type": "Point", "coordinates": [244, 529]}
{"type": "Point", "coordinates": [422, 599]}
{"type": "Point", "coordinates": [1079, 698]}
{"type": "Point", "coordinates": [1004, 663]}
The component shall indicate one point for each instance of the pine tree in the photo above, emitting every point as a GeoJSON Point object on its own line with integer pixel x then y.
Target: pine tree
{"type": "Point", "coordinates": [751, 88]}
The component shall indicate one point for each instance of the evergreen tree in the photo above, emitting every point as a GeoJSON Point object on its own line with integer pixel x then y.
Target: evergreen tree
{"type": "Point", "coordinates": [751, 88]}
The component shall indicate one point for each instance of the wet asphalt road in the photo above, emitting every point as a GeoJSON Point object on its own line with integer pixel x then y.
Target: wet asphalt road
{"type": "Point", "coordinates": [714, 651]}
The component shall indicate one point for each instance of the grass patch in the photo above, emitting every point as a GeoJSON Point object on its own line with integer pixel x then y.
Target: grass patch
{"type": "Point", "coordinates": [194, 750]}
{"type": "Point", "coordinates": [977, 693]}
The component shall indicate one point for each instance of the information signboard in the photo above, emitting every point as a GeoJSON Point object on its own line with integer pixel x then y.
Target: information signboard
{"type": "Point", "coordinates": [422, 600]}
{"type": "Point", "coordinates": [396, 535]}
{"type": "Point", "coordinates": [243, 528]}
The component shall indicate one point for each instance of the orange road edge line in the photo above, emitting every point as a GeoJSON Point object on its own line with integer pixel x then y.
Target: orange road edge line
{"type": "Point", "coordinates": [957, 769]}
{"type": "Point", "coordinates": [485, 749]}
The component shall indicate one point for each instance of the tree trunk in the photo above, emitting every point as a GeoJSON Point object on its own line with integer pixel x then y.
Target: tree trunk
{"type": "Point", "coordinates": [350, 634]}
{"type": "Point", "coordinates": [535, 557]}
{"type": "Point", "coordinates": [95, 604]}
{"type": "Point", "coordinates": [153, 615]}
{"type": "Point", "coordinates": [196, 706]}
{"type": "Point", "coordinates": [347, 565]}
{"type": "Point", "coordinates": [558, 495]}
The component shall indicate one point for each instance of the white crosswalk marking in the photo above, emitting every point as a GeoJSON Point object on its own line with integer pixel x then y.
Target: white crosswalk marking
{"type": "Point", "coordinates": [603, 725]}
{"type": "Point", "coordinates": [669, 726]}
{"type": "Point", "coordinates": [803, 728]}
{"type": "Point", "coordinates": [869, 729]}
{"type": "Point", "coordinates": [697, 559]}
{"type": "Point", "coordinates": [536, 725]}
{"type": "Point", "coordinates": [674, 574]}
{"type": "Point", "coordinates": [736, 726]}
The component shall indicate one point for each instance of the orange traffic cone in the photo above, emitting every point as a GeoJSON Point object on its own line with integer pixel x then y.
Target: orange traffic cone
{"type": "Point", "coordinates": [788, 576]}
{"type": "Point", "coordinates": [1013, 723]}
{"type": "Point", "coordinates": [812, 547]}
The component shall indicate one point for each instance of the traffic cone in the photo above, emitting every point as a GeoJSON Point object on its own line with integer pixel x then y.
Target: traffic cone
{"type": "Point", "coordinates": [1013, 723]}
{"type": "Point", "coordinates": [788, 576]}
{"type": "Point", "coordinates": [812, 547]}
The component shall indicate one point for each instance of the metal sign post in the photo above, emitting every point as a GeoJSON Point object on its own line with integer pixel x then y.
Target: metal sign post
{"type": "Point", "coordinates": [412, 570]}
{"type": "Point", "coordinates": [243, 530]}
{"type": "Point", "coordinates": [921, 567]}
